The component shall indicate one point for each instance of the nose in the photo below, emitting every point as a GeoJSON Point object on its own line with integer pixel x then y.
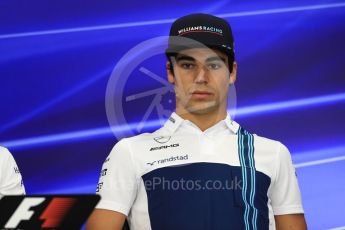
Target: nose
{"type": "Point", "coordinates": [201, 77]}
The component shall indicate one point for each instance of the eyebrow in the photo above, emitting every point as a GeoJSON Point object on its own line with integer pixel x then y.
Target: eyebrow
{"type": "Point", "coordinates": [184, 58]}
{"type": "Point", "coordinates": [189, 58]}
{"type": "Point", "coordinates": [215, 58]}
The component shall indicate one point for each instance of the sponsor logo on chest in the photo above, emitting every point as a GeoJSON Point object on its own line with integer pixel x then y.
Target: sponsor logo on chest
{"type": "Point", "coordinates": [164, 147]}
{"type": "Point", "coordinates": [169, 159]}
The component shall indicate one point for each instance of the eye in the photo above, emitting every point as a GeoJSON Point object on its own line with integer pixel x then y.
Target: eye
{"type": "Point", "coordinates": [213, 66]}
{"type": "Point", "coordinates": [187, 65]}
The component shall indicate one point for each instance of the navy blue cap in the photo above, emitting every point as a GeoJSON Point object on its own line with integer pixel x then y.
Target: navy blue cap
{"type": "Point", "coordinates": [197, 30]}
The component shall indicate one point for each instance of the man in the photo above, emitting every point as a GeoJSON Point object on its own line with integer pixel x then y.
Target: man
{"type": "Point", "coordinates": [11, 182]}
{"type": "Point", "coordinates": [201, 170]}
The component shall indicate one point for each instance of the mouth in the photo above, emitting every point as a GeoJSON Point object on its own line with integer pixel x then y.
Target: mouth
{"type": "Point", "coordinates": [199, 94]}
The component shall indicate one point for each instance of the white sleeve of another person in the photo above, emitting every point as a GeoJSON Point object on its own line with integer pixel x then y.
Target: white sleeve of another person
{"type": "Point", "coordinates": [11, 182]}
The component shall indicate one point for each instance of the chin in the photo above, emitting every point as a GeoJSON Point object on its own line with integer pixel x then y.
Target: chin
{"type": "Point", "coordinates": [203, 108]}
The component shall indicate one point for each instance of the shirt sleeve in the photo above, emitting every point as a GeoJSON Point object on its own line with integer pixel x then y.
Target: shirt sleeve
{"type": "Point", "coordinates": [118, 183]}
{"type": "Point", "coordinates": [11, 182]}
{"type": "Point", "coordinates": [285, 193]}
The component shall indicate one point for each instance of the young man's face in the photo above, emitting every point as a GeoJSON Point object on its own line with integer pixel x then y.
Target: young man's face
{"type": "Point", "coordinates": [201, 78]}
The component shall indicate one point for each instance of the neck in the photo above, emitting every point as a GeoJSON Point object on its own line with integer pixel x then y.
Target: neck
{"type": "Point", "coordinates": [203, 120]}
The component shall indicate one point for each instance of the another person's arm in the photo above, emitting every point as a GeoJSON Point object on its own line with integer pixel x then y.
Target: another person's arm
{"type": "Point", "coordinates": [117, 187]}
{"type": "Point", "coordinates": [285, 194]}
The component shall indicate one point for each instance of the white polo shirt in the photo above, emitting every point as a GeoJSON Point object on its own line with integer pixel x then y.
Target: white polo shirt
{"type": "Point", "coordinates": [180, 177]}
{"type": "Point", "coordinates": [10, 178]}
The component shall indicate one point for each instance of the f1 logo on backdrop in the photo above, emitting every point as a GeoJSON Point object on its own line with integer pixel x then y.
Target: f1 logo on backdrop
{"type": "Point", "coordinates": [46, 212]}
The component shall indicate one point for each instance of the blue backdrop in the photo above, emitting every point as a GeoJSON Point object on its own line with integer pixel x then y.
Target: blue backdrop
{"type": "Point", "coordinates": [57, 57]}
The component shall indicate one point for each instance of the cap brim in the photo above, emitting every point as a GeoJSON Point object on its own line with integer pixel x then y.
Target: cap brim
{"type": "Point", "coordinates": [176, 44]}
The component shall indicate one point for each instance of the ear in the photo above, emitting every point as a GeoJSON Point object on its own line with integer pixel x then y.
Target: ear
{"type": "Point", "coordinates": [170, 75]}
{"type": "Point", "coordinates": [233, 74]}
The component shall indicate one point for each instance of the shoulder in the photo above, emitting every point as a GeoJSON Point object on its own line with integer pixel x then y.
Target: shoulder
{"type": "Point", "coordinates": [275, 150]}
{"type": "Point", "coordinates": [6, 159]}
{"type": "Point", "coordinates": [138, 147]}
{"type": "Point", "coordinates": [138, 142]}
{"type": "Point", "coordinates": [272, 156]}
{"type": "Point", "coordinates": [145, 138]}
{"type": "Point", "coordinates": [268, 145]}
{"type": "Point", "coordinates": [4, 154]}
